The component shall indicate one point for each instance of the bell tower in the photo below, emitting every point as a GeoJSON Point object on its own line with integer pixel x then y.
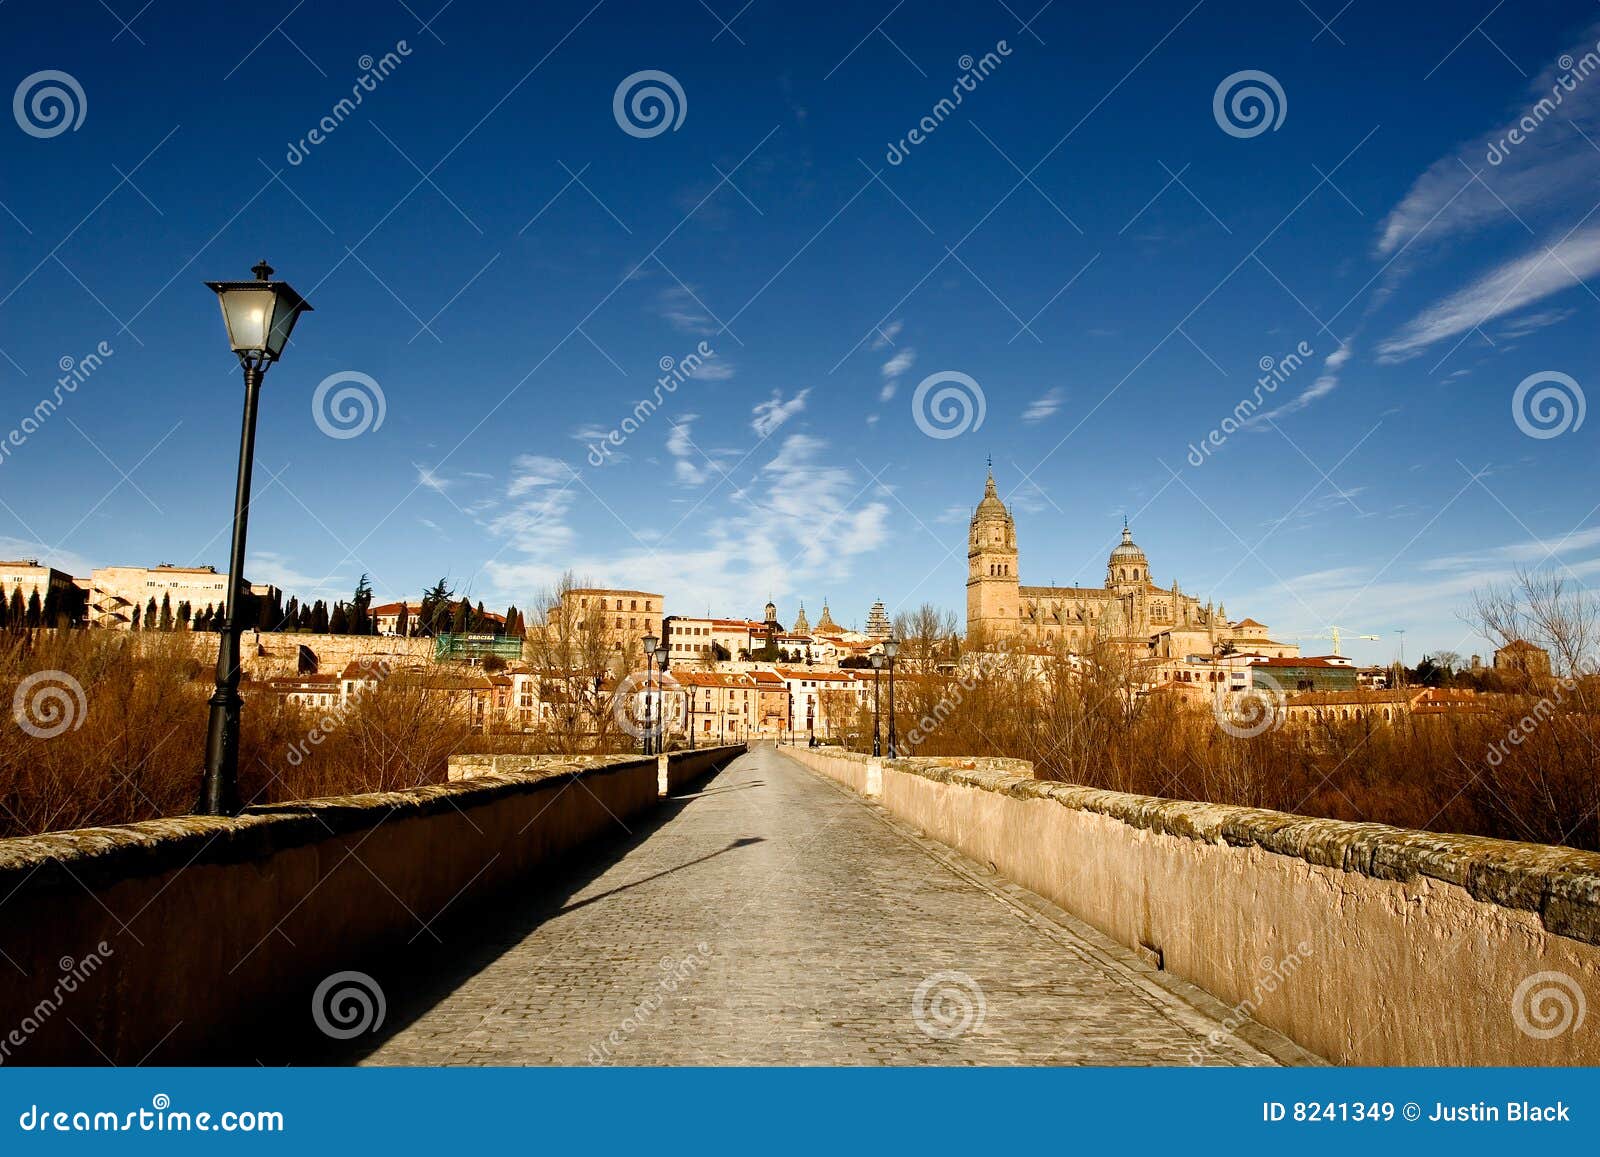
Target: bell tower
{"type": "Point", "coordinates": [992, 583]}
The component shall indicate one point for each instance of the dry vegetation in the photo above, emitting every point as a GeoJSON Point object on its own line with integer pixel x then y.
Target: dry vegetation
{"type": "Point", "coordinates": [1524, 766]}
{"type": "Point", "coordinates": [131, 748]}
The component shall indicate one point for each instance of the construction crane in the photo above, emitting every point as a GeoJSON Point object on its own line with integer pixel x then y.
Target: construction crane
{"type": "Point", "coordinates": [1335, 634]}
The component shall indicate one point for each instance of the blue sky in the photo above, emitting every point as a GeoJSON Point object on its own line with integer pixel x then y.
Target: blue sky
{"type": "Point", "coordinates": [1081, 237]}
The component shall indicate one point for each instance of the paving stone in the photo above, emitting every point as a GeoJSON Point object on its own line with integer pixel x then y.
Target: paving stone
{"type": "Point", "coordinates": [819, 921]}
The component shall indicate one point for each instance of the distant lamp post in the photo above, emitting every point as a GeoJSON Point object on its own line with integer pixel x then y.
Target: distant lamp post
{"type": "Point", "coordinates": [877, 665]}
{"type": "Point", "coordinates": [891, 648]}
{"type": "Point", "coordinates": [661, 695]}
{"type": "Point", "coordinates": [811, 734]}
{"type": "Point", "coordinates": [259, 316]}
{"type": "Point", "coordinates": [649, 644]}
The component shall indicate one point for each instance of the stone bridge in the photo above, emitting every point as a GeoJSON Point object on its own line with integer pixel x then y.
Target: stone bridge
{"type": "Point", "coordinates": [789, 906]}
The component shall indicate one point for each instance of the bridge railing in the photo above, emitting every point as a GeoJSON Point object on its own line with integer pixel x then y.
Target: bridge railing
{"type": "Point", "coordinates": [155, 942]}
{"type": "Point", "coordinates": [1366, 944]}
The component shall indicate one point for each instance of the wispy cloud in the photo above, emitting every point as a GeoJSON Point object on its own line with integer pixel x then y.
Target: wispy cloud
{"type": "Point", "coordinates": [687, 465]}
{"type": "Point", "coordinates": [1551, 169]}
{"type": "Point", "coordinates": [427, 476]}
{"type": "Point", "coordinates": [1323, 385]}
{"type": "Point", "coordinates": [887, 333]}
{"type": "Point", "coordinates": [1514, 285]}
{"type": "Point", "coordinates": [684, 313]}
{"type": "Point", "coordinates": [1043, 407]}
{"type": "Point", "coordinates": [769, 415]}
{"type": "Point", "coordinates": [797, 524]}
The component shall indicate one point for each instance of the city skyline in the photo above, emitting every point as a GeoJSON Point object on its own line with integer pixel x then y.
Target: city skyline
{"type": "Point", "coordinates": [502, 261]}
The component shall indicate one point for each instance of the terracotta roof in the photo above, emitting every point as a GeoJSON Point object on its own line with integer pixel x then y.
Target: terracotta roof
{"type": "Point", "coordinates": [1248, 623]}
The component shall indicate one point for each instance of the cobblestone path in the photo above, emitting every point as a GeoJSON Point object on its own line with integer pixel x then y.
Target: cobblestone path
{"type": "Point", "coordinates": [776, 918]}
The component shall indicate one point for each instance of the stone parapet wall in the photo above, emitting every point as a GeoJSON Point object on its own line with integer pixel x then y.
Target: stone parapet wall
{"type": "Point", "coordinates": [157, 942]}
{"type": "Point", "coordinates": [1365, 943]}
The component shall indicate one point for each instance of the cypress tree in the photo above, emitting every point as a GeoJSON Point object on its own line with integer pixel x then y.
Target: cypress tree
{"type": "Point", "coordinates": [166, 612]}
{"type": "Point", "coordinates": [402, 622]}
{"type": "Point", "coordinates": [150, 614]}
{"type": "Point", "coordinates": [340, 623]}
{"type": "Point", "coordinates": [19, 613]}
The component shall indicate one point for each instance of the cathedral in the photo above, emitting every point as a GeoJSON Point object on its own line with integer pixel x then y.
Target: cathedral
{"type": "Point", "coordinates": [1130, 610]}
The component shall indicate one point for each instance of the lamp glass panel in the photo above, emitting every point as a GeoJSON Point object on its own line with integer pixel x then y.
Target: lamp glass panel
{"type": "Point", "coordinates": [248, 316]}
{"type": "Point", "coordinates": [284, 316]}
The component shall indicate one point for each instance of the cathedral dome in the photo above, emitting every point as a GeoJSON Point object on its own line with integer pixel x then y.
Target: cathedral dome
{"type": "Point", "coordinates": [991, 506]}
{"type": "Point", "coordinates": [1127, 551]}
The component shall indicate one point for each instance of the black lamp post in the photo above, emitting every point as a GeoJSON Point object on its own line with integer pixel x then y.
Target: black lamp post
{"type": "Point", "coordinates": [891, 648]}
{"type": "Point", "coordinates": [649, 643]}
{"type": "Point", "coordinates": [811, 735]}
{"type": "Point", "coordinates": [661, 696]}
{"type": "Point", "coordinates": [259, 316]}
{"type": "Point", "coordinates": [877, 665]}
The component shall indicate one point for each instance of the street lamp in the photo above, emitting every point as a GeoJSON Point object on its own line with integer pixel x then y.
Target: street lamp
{"type": "Point", "coordinates": [891, 648]}
{"type": "Point", "coordinates": [259, 316]}
{"type": "Point", "coordinates": [877, 665]}
{"type": "Point", "coordinates": [661, 694]}
{"type": "Point", "coordinates": [649, 644]}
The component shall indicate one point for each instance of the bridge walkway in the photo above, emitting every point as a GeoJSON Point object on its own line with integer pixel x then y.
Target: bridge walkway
{"type": "Point", "coordinates": [773, 917]}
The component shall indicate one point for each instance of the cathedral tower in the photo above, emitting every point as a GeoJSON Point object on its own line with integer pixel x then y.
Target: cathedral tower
{"type": "Point", "coordinates": [992, 584]}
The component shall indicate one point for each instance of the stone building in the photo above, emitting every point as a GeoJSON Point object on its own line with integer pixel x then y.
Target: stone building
{"type": "Point", "coordinates": [1522, 658]}
{"type": "Point", "coordinates": [1131, 610]}
{"type": "Point", "coordinates": [116, 592]}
